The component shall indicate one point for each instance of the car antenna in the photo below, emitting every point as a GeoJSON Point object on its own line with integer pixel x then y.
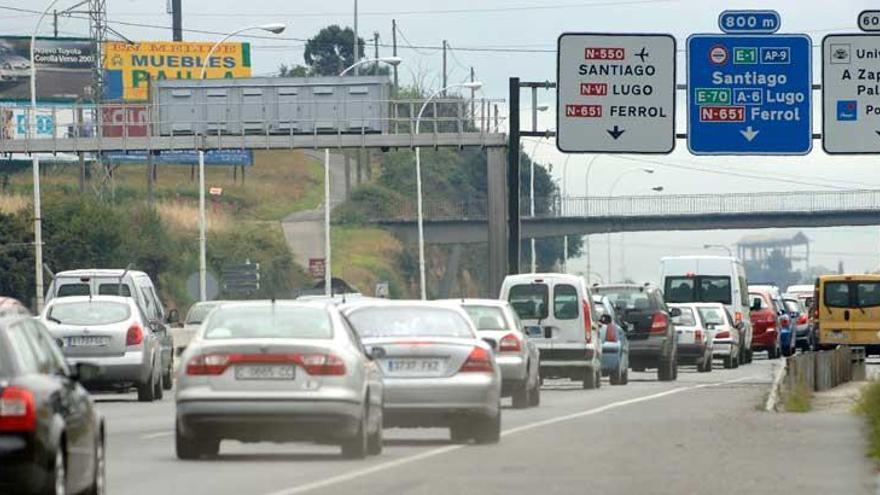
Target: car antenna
{"type": "Point", "coordinates": [119, 284]}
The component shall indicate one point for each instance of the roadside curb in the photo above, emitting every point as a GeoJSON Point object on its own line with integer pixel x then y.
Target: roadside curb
{"type": "Point", "coordinates": [775, 388]}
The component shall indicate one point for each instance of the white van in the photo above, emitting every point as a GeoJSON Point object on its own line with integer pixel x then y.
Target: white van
{"type": "Point", "coordinates": [557, 315]}
{"type": "Point", "coordinates": [722, 279]}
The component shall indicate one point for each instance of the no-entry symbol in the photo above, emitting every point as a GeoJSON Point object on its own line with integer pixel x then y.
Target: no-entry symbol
{"type": "Point", "coordinates": [718, 55]}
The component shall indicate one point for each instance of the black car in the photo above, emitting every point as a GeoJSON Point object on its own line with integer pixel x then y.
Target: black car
{"type": "Point", "coordinates": [51, 435]}
{"type": "Point", "coordinates": [652, 337]}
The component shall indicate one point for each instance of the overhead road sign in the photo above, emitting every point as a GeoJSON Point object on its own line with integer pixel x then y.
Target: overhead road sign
{"type": "Point", "coordinates": [851, 93]}
{"type": "Point", "coordinates": [749, 21]}
{"type": "Point", "coordinates": [869, 20]}
{"type": "Point", "coordinates": [615, 93]}
{"type": "Point", "coordinates": [749, 95]}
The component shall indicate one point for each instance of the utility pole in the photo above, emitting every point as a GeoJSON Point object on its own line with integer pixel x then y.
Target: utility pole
{"type": "Point", "coordinates": [473, 94]}
{"type": "Point", "coordinates": [176, 20]}
{"type": "Point", "coordinates": [444, 68]}
{"type": "Point", "coordinates": [394, 50]}
{"type": "Point", "coordinates": [355, 55]}
{"type": "Point", "coordinates": [55, 22]}
{"type": "Point", "coordinates": [376, 52]}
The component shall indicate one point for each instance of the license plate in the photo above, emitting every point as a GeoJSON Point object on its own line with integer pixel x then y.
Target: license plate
{"type": "Point", "coordinates": [87, 341]}
{"type": "Point", "coordinates": [265, 372]}
{"type": "Point", "coordinates": [415, 366]}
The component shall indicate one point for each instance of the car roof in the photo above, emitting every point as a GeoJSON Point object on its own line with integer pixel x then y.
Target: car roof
{"type": "Point", "coordinates": [101, 298]}
{"type": "Point", "coordinates": [278, 302]}
{"type": "Point", "coordinates": [97, 272]}
{"type": "Point", "coordinates": [625, 286]}
{"type": "Point", "coordinates": [699, 305]}
{"type": "Point", "coordinates": [12, 308]}
{"type": "Point", "coordinates": [401, 303]}
{"type": "Point", "coordinates": [529, 277]}
{"type": "Point", "coordinates": [498, 303]}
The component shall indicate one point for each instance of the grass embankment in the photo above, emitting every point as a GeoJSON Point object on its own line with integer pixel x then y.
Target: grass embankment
{"type": "Point", "coordinates": [367, 255]}
{"type": "Point", "coordinates": [869, 406]}
{"type": "Point", "coordinates": [799, 400]}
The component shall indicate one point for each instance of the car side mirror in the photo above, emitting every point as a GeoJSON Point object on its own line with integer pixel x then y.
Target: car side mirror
{"type": "Point", "coordinates": [84, 371]}
{"type": "Point", "coordinates": [674, 312]}
{"type": "Point", "coordinates": [173, 317]}
{"type": "Point", "coordinates": [605, 319]}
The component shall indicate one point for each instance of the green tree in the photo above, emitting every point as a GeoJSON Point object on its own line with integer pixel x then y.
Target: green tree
{"type": "Point", "coordinates": [330, 51]}
{"type": "Point", "coordinates": [297, 70]}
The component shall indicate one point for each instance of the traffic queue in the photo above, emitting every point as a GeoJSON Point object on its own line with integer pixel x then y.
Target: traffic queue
{"type": "Point", "coordinates": [340, 369]}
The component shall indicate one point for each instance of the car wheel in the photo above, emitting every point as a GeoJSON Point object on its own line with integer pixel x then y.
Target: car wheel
{"type": "Point", "coordinates": [728, 362]}
{"type": "Point", "coordinates": [374, 443]}
{"type": "Point", "coordinates": [705, 365]}
{"type": "Point", "coordinates": [535, 396]}
{"type": "Point", "coordinates": [99, 483]}
{"type": "Point", "coordinates": [488, 429]}
{"type": "Point", "coordinates": [667, 369]}
{"type": "Point", "coordinates": [521, 394]}
{"type": "Point", "coordinates": [459, 431]}
{"type": "Point", "coordinates": [356, 447]}
{"type": "Point", "coordinates": [750, 355]}
{"type": "Point", "coordinates": [592, 378]}
{"type": "Point", "coordinates": [168, 376]}
{"type": "Point", "coordinates": [735, 362]}
{"type": "Point", "coordinates": [193, 447]}
{"type": "Point", "coordinates": [58, 482]}
{"type": "Point", "coordinates": [147, 391]}
{"type": "Point", "coordinates": [159, 387]}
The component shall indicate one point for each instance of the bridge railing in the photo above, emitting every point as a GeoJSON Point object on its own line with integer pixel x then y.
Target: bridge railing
{"type": "Point", "coordinates": [136, 121]}
{"type": "Point", "coordinates": [672, 205]}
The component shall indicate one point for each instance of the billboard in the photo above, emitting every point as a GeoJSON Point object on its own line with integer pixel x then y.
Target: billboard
{"type": "Point", "coordinates": [129, 67]}
{"type": "Point", "coordinates": [64, 68]}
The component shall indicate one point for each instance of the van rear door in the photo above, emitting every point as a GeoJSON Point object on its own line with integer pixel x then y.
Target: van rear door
{"type": "Point", "coordinates": [531, 302]}
{"type": "Point", "coordinates": [850, 311]}
{"type": "Point", "coordinates": [567, 319]}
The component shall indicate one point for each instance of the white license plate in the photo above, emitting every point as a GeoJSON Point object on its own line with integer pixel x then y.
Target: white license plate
{"type": "Point", "coordinates": [88, 341]}
{"type": "Point", "coordinates": [265, 372]}
{"type": "Point", "coordinates": [415, 366]}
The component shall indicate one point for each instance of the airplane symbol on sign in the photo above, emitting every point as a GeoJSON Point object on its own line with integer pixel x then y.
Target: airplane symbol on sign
{"type": "Point", "coordinates": [643, 54]}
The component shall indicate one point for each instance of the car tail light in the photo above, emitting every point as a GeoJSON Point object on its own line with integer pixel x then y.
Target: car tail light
{"type": "Point", "coordinates": [509, 343]}
{"type": "Point", "coordinates": [802, 320]}
{"type": "Point", "coordinates": [784, 320]}
{"type": "Point", "coordinates": [660, 323]}
{"type": "Point", "coordinates": [322, 364]}
{"type": "Point", "coordinates": [588, 322]}
{"type": "Point", "coordinates": [722, 335]}
{"type": "Point", "coordinates": [479, 360]}
{"type": "Point", "coordinates": [611, 333]}
{"type": "Point", "coordinates": [17, 410]}
{"type": "Point", "coordinates": [698, 336]}
{"type": "Point", "coordinates": [208, 364]}
{"type": "Point", "coordinates": [135, 335]}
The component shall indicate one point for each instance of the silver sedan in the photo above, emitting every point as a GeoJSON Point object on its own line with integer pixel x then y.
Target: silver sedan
{"type": "Point", "coordinates": [517, 356]}
{"type": "Point", "coordinates": [437, 371]}
{"type": "Point", "coordinates": [277, 371]}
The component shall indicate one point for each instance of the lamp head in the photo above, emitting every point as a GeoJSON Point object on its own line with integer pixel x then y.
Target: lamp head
{"type": "Point", "coordinates": [393, 61]}
{"type": "Point", "coordinates": [475, 85]}
{"type": "Point", "coordinates": [275, 27]}
{"type": "Point", "coordinates": [543, 107]}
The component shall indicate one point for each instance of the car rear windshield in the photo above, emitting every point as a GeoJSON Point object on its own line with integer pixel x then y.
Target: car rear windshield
{"type": "Point", "coordinates": [409, 322]}
{"type": "Point", "coordinates": [529, 300]}
{"type": "Point", "coordinates": [269, 321]}
{"type": "Point", "coordinates": [565, 302]}
{"type": "Point", "coordinates": [198, 313]}
{"type": "Point", "coordinates": [700, 288]}
{"type": "Point", "coordinates": [72, 290]}
{"type": "Point", "coordinates": [113, 290]}
{"type": "Point", "coordinates": [686, 318]}
{"type": "Point", "coordinates": [627, 298]}
{"type": "Point", "coordinates": [852, 294]}
{"type": "Point", "coordinates": [712, 316]}
{"type": "Point", "coordinates": [89, 313]}
{"type": "Point", "coordinates": [793, 306]}
{"type": "Point", "coordinates": [486, 317]}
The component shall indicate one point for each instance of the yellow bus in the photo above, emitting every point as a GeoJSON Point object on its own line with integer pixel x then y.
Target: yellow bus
{"type": "Point", "coordinates": [846, 310]}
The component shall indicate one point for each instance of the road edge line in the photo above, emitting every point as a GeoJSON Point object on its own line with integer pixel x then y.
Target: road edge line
{"type": "Point", "coordinates": [773, 396]}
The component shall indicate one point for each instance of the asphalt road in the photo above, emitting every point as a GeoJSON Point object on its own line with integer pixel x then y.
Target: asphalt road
{"type": "Point", "coordinates": [701, 434]}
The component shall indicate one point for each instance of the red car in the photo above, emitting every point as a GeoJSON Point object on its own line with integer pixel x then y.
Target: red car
{"type": "Point", "coordinates": [765, 323]}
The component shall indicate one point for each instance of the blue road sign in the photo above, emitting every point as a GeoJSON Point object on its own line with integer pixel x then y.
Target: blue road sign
{"type": "Point", "coordinates": [749, 21]}
{"type": "Point", "coordinates": [749, 95]}
{"type": "Point", "coordinates": [230, 157]}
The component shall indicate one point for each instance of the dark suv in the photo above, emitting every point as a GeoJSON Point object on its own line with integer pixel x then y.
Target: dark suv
{"type": "Point", "coordinates": [652, 336]}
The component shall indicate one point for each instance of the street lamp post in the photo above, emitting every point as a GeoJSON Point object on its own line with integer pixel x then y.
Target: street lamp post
{"type": "Point", "coordinates": [536, 109]}
{"type": "Point", "coordinates": [587, 209]}
{"type": "Point", "coordinates": [719, 246]}
{"type": "Point", "coordinates": [275, 28]}
{"type": "Point", "coordinates": [611, 193]}
{"type": "Point", "coordinates": [328, 273]}
{"type": "Point", "coordinates": [474, 85]}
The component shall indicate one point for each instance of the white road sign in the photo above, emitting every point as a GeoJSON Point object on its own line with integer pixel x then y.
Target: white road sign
{"type": "Point", "coordinates": [615, 93]}
{"type": "Point", "coordinates": [851, 93]}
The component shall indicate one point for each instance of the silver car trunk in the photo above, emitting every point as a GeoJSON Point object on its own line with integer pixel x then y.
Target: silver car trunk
{"type": "Point", "coordinates": [92, 340]}
{"type": "Point", "coordinates": [421, 357]}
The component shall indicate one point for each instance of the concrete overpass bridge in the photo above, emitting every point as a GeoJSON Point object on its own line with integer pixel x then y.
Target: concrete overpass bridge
{"type": "Point", "coordinates": [469, 222]}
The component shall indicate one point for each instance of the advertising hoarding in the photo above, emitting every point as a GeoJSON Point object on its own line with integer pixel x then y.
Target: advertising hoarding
{"type": "Point", "coordinates": [64, 68]}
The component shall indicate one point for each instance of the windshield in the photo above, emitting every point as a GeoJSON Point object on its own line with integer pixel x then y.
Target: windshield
{"type": "Point", "coordinates": [852, 294]}
{"type": "Point", "coordinates": [199, 312]}
{"type": "Point", "coordinates": [529, 300]}
{"type": "Point", "coordinates": [625, 298]}
{"type": "Point", "coordinates": [686, 319]}
{"type": "Point", "coordinates": [409, 322]}
{"type": "Point", "coordinates": [712, 316]}
{"type": "Point", "coordinates": [486, 317]}
{"type": "Point", "coordinates": [793, 306]}
{"type": "Point", "coordinates": [269, 321]}
{"type": "Point", "coordinates": [700, 288]}
{"type": "Point", "coordinates": [88, 313]}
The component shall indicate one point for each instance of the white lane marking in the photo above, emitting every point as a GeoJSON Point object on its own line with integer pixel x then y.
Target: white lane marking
{"type": "Point", "coordinates": [342, 478]}
{"type": "Point", "coordinates": [157, 435]}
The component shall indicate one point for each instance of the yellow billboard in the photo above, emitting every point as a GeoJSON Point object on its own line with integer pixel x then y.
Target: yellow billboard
{"type": "Point", "coordinates": [129, 67]}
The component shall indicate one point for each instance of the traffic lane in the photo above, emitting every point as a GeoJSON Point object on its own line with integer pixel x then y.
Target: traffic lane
{"type": "Point", "coordinates": [135, 456]}
{"type": "Point", "coordinates": [124, 415]}
{"type": "Point", "coordinates": [711, 439]}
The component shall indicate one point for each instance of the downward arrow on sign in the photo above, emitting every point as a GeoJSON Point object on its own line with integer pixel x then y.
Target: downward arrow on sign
{"type": "Point", "coordinates": [616, 132]}
{"type": "Point", "coordinates": [749, 133]}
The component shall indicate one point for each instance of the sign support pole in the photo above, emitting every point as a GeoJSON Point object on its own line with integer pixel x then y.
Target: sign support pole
{"type": "Point", "coordinates": [513, 184]}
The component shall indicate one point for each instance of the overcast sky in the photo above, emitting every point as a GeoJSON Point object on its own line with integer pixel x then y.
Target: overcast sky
{"type": "Point", "coordinates": [525, 32]}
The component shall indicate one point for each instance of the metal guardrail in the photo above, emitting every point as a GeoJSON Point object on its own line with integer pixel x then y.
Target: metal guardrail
{"type": "Point", "coordinates": [133, 126]}
{"type": "Point", "coordinates": [823, 370]}
{"type": "Point", "coordinates": [667, 205]}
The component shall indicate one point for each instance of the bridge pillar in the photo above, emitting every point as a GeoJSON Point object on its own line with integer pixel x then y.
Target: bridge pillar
{"type": "Point", "coordinates": [496, 172]}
